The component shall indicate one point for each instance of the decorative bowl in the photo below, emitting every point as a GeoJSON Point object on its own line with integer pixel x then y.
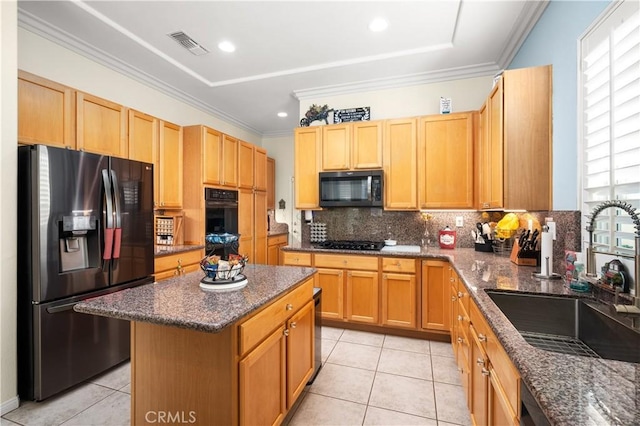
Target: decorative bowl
{"type": "Point", "coordinates": [225, 238]}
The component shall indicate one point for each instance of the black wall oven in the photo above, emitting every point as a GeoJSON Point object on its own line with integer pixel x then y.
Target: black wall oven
{"type": "Point", "coordinates": [221, 207]}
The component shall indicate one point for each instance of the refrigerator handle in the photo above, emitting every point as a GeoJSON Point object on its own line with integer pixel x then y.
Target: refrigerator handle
{"type": "Point", "coordinates": [118, 216]}
{"type": "Point", "coordinates": [108, 226]}
{"type": "Point", "coordinates": [62, 308]}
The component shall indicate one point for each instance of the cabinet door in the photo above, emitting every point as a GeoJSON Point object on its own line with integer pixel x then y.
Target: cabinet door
{"type": "Point", "coordinates": [271, 184]}
{"type": "Point", "coordinates": [495, 161]}
{"type": "Point", "coordinates": [332, 283]}
{"type": "Point", "coordinates": [211, 156]}
{"type": "Point", "coordinates": [273, 255]}
{"type": "Point", "coordinates": [479, 377]}
{"type": "Point", "coordinates": [260, 227]}
{"type": "Point", "coordinates": [263, 382]}
{"type": "Point", "coordinates": [245, 165]}
{"type": "Point", "coordinates": [500, 412]}
{"type": "Point", "coordinates": [229, 161]}
{"type": "Point", "coordinates": [366, 147]}
{"type": "Point", "coordinates": [362, 296]}
{"type": "Point", "coordinates": [260, 169]}
{"type": "Point", "coordinates": [453, 319]}
{"type": "Point", "coordinates": [101, 126]}
{"type": "Point", "coordinates": [170, 166]}
{"type": "Point", "coordinates": [306, 165]}
{"type": "Point", "coordinates": [446, 161]}
{"type": "Point", "coordinates": [300, 351]}
{"type": "Point", "coordinates": [143, 137]}
{"type": "Point", "coordinates": [483, 170]}
{"type": "Point", "coordinates": [400, 165]}
{"type": "Point", "coordinates": [336, 144]}
{"type": "Point", "coordinates": [46, 112]}
{"type": "Point", "coordinates": [436, 297]}
{"type": "Point", "coordinates": [398, 300]}
{"type": "Point", "coordinates": [245, 223]}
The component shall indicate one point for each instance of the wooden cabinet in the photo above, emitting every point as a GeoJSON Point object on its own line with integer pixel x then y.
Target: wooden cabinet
{"type": "Point", "coordinates": [246, 225]}
{"type": "Point", "coordinates": [271, 184]}
{"type": "Point", "coordinates": [274, 244]}
{"type": "Point", "coordinates": [260, 176]}
{"type": "Point", "coordinates": [445, 162]}
{"type": "Point", "coordinates": [336, 147]}
{"type": "Point", "coordinates": [274, 373]}
{"type": "Point", "coordinates": [518, 162]}
{"type": "Point", "coordinates": [306, 166]}
{"type": "Point", "coordinates": [203, 154]}
{"type": "Point", "coordinates": [143, 137]}
{"type": "Point", "coordinates": [171, 265]}
{"type": "Point", "coordinates": [260, 227]}
{"type": "Point", "coordinates": [400, 164]}
{"type": "Point", "coordinates": [350, 287]}
{"type": "Point", "coordinates": [399, 292]}
{"type": "Point", "coordinates": [479, 387]}
{"type": "Point", "coordinates": [46, 112]}
{"type": "Point", "coordinates": [170, 166]}
{"type": "Point", "coordinates": [491, 150]}
{"type": "Point", "coordinates": [366, 145]}
{"type": "Point", "coordinates": [436, 295]}
{"type": "Point", "coordinates": [294, 258]}
{"type": "Point", "coordinates": [229, 163]}
{"type": "Point", "coordinates": [245, 165]}
{"type": "Point", "coordinates": [101, 126]}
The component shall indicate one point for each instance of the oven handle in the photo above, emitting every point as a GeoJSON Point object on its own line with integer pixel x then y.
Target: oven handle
{"type": "Point", "coordinates": [221, 204]}
{"type": "Point", "coordinates": [369, 188]}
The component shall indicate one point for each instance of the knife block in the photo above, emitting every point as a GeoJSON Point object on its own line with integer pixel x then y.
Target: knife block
{"type": "Point", "coordinates": [529, 260]}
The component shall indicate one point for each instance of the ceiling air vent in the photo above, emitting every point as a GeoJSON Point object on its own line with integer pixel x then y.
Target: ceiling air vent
{"type": "Point", "coordinates": [188, 43]}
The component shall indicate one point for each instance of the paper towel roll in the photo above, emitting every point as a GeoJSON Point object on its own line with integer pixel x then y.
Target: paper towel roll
{"type": "Point", "coordinates": [308, 215]}
{"type": "Point", "coordinates": [546, 251]}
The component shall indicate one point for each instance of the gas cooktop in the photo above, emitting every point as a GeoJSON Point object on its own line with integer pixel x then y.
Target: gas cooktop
{"type": "Point", "coordinates": [351, 245]}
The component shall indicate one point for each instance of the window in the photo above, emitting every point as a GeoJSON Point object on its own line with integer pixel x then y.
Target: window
{"type": "Point", "coordinates": [609, 87]}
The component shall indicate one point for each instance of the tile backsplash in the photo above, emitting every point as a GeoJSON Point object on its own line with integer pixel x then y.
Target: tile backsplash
{"type": "Point", "coordinates": [412, 229]}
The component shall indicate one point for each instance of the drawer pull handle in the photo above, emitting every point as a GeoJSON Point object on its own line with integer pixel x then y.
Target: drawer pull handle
{"type": "Point", "coordinates": [289, 307]}
{"type": "Point", "coordinates": [460, 295]}
{"type": "Point", "coordinates": [460, 340]}
{"type": "Point", "coordinates": [285, 332]}
{"type": "Point", "coordinates": [480, 361]}
{"type": "Point", "coordinates": [460, 318]}
{"type": "Point", "coordinates": [482, 337]}
{"type": "Point", "coordinates": [451, 279]}
{"type": "Point", "coordinates": [453, 298]}
{"type": "Point", "coordinates": [294, 325]}
{"type": "Point", "coordinates": [485, 372]}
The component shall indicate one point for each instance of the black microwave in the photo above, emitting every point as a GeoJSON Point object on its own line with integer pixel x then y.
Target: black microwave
{"type": "Point", "coordinates": [351, 189]}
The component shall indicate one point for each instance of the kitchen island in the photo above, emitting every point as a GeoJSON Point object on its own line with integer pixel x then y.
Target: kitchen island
{"type": "Point", "coordinates": [570, 389]}
{"type": "Point", "coordinates": [217, 357]}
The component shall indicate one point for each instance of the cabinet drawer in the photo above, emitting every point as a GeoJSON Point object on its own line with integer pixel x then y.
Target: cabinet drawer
{"type": "Point", "coordinates": [277, 239]}
{"type": "Point", "coordinates": [505, 372]}
{"type": "Point", "coordinates": [296, 258]}
{"type": "Point", "coordinates": [164, 263]}
{"type": "Point", "coordinates": [479, 323]}
{"type": "Point", "coordinates": [394, 264]}
{"type": "Point", "coordinates": [256, 328]}
{"type": "Point", "coordinates": [366, 263]}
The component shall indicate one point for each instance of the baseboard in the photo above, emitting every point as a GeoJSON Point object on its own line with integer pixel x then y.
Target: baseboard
{"type": "Point", "coordinates": [9, 405]}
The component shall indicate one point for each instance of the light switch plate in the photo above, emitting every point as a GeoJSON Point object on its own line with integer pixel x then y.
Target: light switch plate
{"type": "Point", "coordinates": [459, 222]}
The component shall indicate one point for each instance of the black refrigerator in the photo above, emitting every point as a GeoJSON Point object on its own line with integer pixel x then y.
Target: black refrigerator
{"type": "Point", "coordinates": [85, 228]}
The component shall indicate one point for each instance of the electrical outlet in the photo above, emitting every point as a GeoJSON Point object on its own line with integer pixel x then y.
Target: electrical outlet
{"type": "Point", "coordinates": [459, 222]}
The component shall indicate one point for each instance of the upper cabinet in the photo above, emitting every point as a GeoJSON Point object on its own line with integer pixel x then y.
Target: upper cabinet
{"type": "Point", "coordinates": [271, 184]}
{"type": "Point", "coordinates": [520, 141]}
{"type": "Point", "coordinates": [352, 146]}
{"type": "Point", "coordinates": [245, 165]}
{"type": "Point", "coordinates": [229, 161]}
{"type": "Point", "coordinates": [203, 154]}
{"type": "Point", "coordinates": [143, 137]}
{"type": "Point", "coordinates": [306, 166]}
{"type": "Point", "coordinates": [445, 161]}
{"type": "Point", "coordinates": [170, 167]}
{"type": "Point", "coordinates": [260, 176]}
{"type": "Point", "coordinates": [46, 112]}
{"type": "Point", "coordinates": [101, 126]}
{"type": "Point", "coordinates": [400, 164]}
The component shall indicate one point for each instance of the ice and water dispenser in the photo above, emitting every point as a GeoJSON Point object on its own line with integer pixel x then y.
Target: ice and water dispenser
{"type": "Point", "coordinates": [79, 242]}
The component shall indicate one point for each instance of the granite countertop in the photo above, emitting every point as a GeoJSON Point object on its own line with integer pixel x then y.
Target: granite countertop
{"type": "Point", "coordinates": [167, 250]}
{"type": "Point", "coordinates": [180, 302]}
{"type": "Point", "coordinates": [273, 233]}
{"type": "Point", "coordinates": [571, 389]}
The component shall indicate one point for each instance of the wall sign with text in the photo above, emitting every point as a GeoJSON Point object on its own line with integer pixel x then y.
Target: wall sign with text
{"type": "Point", "coordinates": [352, 114]}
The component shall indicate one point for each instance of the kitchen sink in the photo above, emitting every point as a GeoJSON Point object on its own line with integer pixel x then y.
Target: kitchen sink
{"type": "Point", "coordinates": [568, 325]}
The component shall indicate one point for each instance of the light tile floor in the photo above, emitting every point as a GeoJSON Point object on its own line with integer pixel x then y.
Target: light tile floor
{"type": "Point", "coordinates": [367, 379]}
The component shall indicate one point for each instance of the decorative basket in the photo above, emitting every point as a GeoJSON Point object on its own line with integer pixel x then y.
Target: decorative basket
{"type": "Point", "coordinates": [503, 246]}
{"type": "Point", "coordinates": [222, 270]}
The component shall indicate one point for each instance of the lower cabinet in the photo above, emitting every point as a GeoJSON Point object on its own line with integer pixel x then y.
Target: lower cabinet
{"type": "Point", "coordinates": [436, 284]}
{"type": "Point", "coordinates": [399, 292]}
{"type": "Point", "coordinates": [273, 374]}
{"type": "Point", "coordinates": [478, 406]}
{"type": "Point", "coordinates": [274, 244]}
{"type": "Point", "coordinates": [171, 265]}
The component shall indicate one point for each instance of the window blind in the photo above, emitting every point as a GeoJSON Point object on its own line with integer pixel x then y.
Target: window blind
{"type": "Point", "coordinates": [610, 136]}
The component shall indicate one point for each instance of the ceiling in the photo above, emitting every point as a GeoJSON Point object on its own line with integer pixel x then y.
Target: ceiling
{"type": "Point", "coordinates": [287, 52]}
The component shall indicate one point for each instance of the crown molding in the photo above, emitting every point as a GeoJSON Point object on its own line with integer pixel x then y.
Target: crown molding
{"type": "Point", "coordinates": [521, 29]}
{"type": "Point", "coordinates": [54, 34]}
{"type": "Point", "coordinates": [479, 70]}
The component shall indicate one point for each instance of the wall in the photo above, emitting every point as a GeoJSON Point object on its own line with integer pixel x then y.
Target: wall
{"type": "Point", "coordinates": [554, 40]}
{"type": "Point", "coordinates": [8, 195]}
{"type": "Point", "coordinates": [42, 57]}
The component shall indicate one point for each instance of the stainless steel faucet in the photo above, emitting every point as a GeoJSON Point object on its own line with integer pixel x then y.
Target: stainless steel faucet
{"type": "Point", "coordinates": [632, 310]}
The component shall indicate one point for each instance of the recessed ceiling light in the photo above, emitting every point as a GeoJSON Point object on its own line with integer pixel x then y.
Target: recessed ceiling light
{"type": "Point", "coordinates": [226, 46]}
{"type": "Point", "coordinates": [282, 114]}
{"type": "Point", "coordinates": [378, 24]}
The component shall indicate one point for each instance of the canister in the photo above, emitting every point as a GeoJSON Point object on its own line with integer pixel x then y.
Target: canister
{"type": "Point", "coordinates": [447, 238]}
